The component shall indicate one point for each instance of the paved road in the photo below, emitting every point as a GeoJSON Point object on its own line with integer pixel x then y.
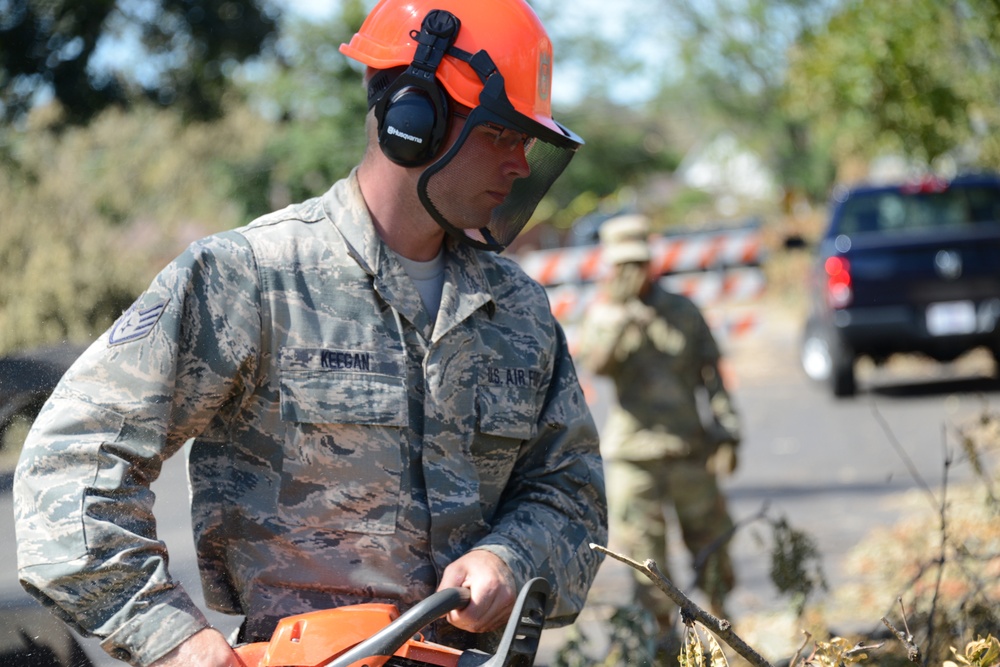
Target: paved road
{"type": "Point", "coordinates": [828, 466]}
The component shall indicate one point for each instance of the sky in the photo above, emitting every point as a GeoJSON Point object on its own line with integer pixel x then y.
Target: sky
{"type": "Point", "coordinates": [313, 9]}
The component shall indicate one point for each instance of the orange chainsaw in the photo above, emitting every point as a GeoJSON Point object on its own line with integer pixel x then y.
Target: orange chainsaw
{"type": "Point", "coordinates": [377, 635]}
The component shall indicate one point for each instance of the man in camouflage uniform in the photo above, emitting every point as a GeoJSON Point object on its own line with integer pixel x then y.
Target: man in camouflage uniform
{"type": "Point", "coordinates": [674, 427]}
{"type": "Point", "coordinates": [378, 408]}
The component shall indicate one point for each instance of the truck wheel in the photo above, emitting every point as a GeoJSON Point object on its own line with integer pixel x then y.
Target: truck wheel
{"type": "Point", "coordinates": [826, 359]}
{"type": "Point", "coordinates": [842, 370]}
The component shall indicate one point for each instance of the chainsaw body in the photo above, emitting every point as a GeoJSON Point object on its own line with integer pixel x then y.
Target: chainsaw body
{"type": "Point", "coordinates": [377, 635]}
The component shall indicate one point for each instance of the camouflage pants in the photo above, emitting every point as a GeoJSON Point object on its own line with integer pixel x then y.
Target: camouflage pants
{"type": "Point", "coordinates": [640, 496]}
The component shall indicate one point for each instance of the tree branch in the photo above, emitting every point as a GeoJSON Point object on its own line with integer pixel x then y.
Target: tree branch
{"type": "Point", "coordinates": [690, 612]}
{"type": "Point", "coordinates": [943, 558]}
{"type": "Point", "coordinates": [904, 457]}
{"type": "Point", "coordinates": [912, 650]}
{"type": "Point", "coordinates": [798, 654]}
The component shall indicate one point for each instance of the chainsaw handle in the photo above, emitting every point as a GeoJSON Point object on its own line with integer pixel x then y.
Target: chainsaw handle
{"type": "Point", "coordinates": [387, 641]}
{"type": "Point", "coordinates": [521, 637]}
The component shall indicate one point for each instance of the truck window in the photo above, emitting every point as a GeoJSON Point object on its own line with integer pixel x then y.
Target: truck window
{"type": "Point", "coordinates": [890, 212]}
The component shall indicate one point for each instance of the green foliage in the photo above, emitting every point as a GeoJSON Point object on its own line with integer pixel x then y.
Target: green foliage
{"type": "Point", "coordinates": [978, 653]}
{"type": "Point", "coordinates": [795, 567]}
{"type": "Point", "coordinates": [700, 649]}
{"type": "Point", "coordinates": [187, 51]}
{"type": "Point", "coordinates": [317, 102]}
{"type": "Point", "coordinates": [623, 147]}
{"type": "Point", "coordinates": [50, 44]}
{"type": "Point", "coordinates": [688, 204]}
{"type": "Point", "coordinates": [91, 214]}
{"type": "Point", "coordinates": [594, 59]}
{"type": "Point", "coordinates": [196, 46]}
{"type": "Point", "coordinates": [915, 78]}
{"type": "Point", "coordinates": [734, 54]}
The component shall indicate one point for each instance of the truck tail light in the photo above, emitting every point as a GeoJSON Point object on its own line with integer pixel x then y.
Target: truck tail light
{"type": "Point", "coordinates": [925, 186]}
{"type": "Point", "coordinates": [838, 282]}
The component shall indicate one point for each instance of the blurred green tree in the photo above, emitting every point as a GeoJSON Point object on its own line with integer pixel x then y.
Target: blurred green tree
{"type": "Point", "coordinates": [734, 57]}
{"type": "Point", "coordinates": [313, 96]}
{"type": "Point", "coordinates": [919, 78]}
{"type": "Point", "coordinates": [170, 51]}
{"type": "Point", "coordinates": [624, 147]}
{"type": "Point", "coordinates": [92, 213]}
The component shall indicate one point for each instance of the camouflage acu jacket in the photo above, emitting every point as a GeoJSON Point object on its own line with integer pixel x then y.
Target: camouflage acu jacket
{"type": "Point", "coordinates": [663, 359]}
{"type": "Point", "coordinates": [346, 448]}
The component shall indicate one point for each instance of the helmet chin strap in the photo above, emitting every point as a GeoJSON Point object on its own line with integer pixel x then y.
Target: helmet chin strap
{"type": "Point", "coordinates": [480, 62]}
{"type": "Point", "coordinates": [487, 71]}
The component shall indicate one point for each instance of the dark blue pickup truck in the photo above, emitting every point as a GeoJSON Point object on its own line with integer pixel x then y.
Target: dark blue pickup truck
{"type": "Point", "coordinates": [912, 267]}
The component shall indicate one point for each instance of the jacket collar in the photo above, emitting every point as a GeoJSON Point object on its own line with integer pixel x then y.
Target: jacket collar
{"type": "Point", "coordinates": [465, 290]}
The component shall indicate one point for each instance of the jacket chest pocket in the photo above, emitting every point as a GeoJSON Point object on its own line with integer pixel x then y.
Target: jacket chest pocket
{"type": "Point", "coordinates": [506, 417]}
{"type": "Point", "coordinates": [344, 435]}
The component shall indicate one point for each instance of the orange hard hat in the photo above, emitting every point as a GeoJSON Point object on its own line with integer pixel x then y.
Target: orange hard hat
{"type": "Point", "coordinates": [508, 30]}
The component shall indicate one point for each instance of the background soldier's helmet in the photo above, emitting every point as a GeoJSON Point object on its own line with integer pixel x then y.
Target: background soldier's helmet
{"type": "Point", "coordinates": [625, 239]}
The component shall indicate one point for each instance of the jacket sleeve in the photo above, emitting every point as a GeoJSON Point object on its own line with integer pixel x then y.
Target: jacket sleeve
{"type": "Point", "coordinates": [182, 355]}
{"type": "Point", "coordinates": [611, 333]}
{"type": "Point", "coordinates": [554, 505]}
{"type": "Point", "coordinates": [725, 426]}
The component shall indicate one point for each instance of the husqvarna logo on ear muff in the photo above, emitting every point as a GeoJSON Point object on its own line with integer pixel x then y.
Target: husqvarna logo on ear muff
{"type": "Point", "coordinates": [403, 135]}
{"type": "Point", "coordinates": [544, 75]}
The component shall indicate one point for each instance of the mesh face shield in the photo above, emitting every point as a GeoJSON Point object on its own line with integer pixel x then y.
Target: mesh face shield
{"type": "Point", "coordinates": [484, 189]}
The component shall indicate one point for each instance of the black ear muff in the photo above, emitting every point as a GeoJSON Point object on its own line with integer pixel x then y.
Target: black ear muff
{"type": "Point", "coordinates": [412, 112]}
{"type": "Point", "coordinates": [412, 122]}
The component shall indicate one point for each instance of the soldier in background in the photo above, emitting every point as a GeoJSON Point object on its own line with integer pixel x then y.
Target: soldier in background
{"type": "Point", "coordinates": [674, 429]}
{"type": "Point", "coordinates": [379, 404]}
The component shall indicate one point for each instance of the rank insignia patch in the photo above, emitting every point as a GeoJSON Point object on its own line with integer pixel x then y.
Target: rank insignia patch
{"type": "Point", "coordinates": [135, 323]}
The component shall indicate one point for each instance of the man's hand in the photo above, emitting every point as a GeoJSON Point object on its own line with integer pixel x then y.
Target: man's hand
{"type": "Point", "coordinates": [206, 648]}
{"type": "Point", "coordinates": [492, 586]}
{"type": "Point", "coordinates": [627, 281]}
